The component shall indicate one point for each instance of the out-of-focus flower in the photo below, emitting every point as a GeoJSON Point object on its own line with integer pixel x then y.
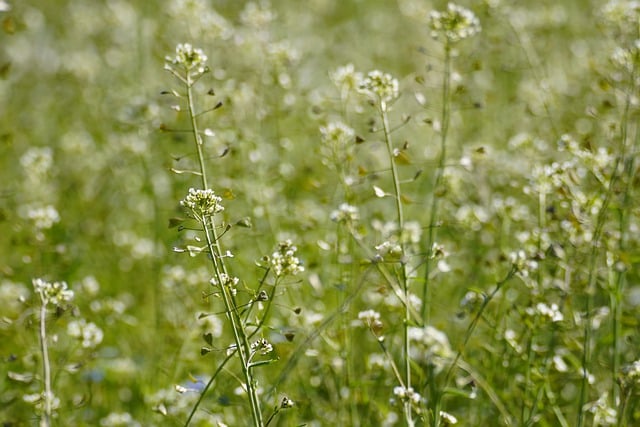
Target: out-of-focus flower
{"type": "Point", "coordinates": [381, 87]}
{"type": "Point", "coordinates": [346, 79]}
{"type": "Point", "coordinates": [189, 58]}
{"type": "Point", "coordinates": [346, 214]}
{"type": "Point", "coordinates": [52, 292]}
{"type": "Point", "coordinates": [284, 262]}
{"type": "Point", "coordinates": [454, 24]}
{"type": "Point", "coordinates": [88, 333]}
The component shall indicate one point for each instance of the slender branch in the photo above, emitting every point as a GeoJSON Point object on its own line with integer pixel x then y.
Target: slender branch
{"type": "Point", "coordinates": [383, 110]}
{"type": "Point", "coordinates": [46, 367]}
{"type": "Point", "coordinates": [220, 269]}
{"type": "Point", "coordinates": [435, 198]}
{"type": "Point", "coordinates": [465, 341]}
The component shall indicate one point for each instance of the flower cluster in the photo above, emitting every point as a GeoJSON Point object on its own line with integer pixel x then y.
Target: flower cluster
{"type": "Point", "coordinates": [631, 374]}
{"type": "Point", "coordinates": [552, 312]}
{"type": "Point", "coordinates": [52, 292]}
{"type": "Point", "coordinates": [430, 345]}
{"type": "Point", "coordinates": [261, 346]}
{"type": "Point", "coordinates": [337, 133]}
{"type": "Point", "coordinates": [627, 58]}
{"type": "Point", "coordinates": [388, 249]}
{"type": "Point", "coordinates": [282, 54]}
{"type": "Point", "coordinates": [43, 217]}
{"type": "Point", "coordinates": [382, 87]}
{"type": "Point", "coordinates": [345, 214]}
{"type": "Point", "coordinates": [603, 414]}
{"type": "Point", "coordinates": [523, 264]}
{"type": "Point", "coordinates": [88, 333]}
{"type": "Point", "coordinates": [203, 19]}
{"type": "Point", "coordinates": [337, 146]}
{"type": "Point", "coordinates": [455, 23]}
{"type": "Point", "coordinates": [284, 262]}
{"type": "Point", "coordinates": [227, 281]}
{"type": "Point", "coordinates": [189, 58]}
{"type": "Point", "coordinates": [203, 203]}
{"type": "Point", "coordinates": [447, 419]}
{"type": "Point", "coordinates": [37, 161]}
{"type": "Point", "coordinates": [439, 253]}
{"type": "Point", "coordinates": [370, 318]}
{"type": "Point", "coordinates": [407, 394]}
{"type": "Point", "coordinates": [623, 15]}
{"type": "Point", "coordinates": [119, 419]}
{"type": "Point", "coordinates": [257, 15]}
{"type": "Point", "coordinates": [346, 78]}
{"type": "Point", "coordinates": [598, 161]}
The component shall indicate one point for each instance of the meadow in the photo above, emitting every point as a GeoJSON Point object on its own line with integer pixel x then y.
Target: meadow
{"type": "Point", "coordinates": [319, 213]}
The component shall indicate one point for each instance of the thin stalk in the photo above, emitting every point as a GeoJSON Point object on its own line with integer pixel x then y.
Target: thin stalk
{"type": "Point", "coordinates": [205, 389]}
{"type": "Point", "coordinates": [616, 310]}
{"type": "Point", "coordinates": [542, 211]}
{"type": "Point", "coordinates": [396, 372]}
{"type": "Point", "coordinates": [189, 82]}
{"type": "Point", "coordinates": [272, 416]}
{"type": "Point", "coordinates": [344, 279]}
{"type": "Point", "coordinates": [267, 309]}
{"type": "Point", "coordinates": [242, 343]}
{"type": "Point", "coordinates": [562, 421]}
{"type": "Point", "coordinates": [394, 174]}
{"type": "Point", "coordinates": [623, 225]}
{"type": "Point", "coordinates": [622, 410]}
{"type": "Point", "coordinates": [403, 262]}
{"type": "Point", "coordinates": [46, 367]}
{"type": "Point", "coordinates": [591, 288]}
{"type": "Point", "coordinates": [527, 381]}
{"type": "Point", "coordinates": [210, 231]}
{"type": "Point", "coordinates": [435, 201]}
{"type": "Point", "coordinates": [483, 384]}
{"type": "Point", "coordinates": [592, 277]}
{"type": "Point", "coordinates": [437, 401]}
{"type": "Point", "coordinates": [313, 335]}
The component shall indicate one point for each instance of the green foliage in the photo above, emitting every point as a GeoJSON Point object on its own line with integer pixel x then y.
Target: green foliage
{"type": "Point", "coordinates": [469, 232]}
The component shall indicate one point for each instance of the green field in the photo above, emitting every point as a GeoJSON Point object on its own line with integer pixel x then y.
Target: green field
{"type": "Point", "coordinates": [319, 213]}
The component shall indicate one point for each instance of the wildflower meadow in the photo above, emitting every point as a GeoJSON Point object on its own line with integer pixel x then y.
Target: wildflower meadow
{"type": "Point", "coordinates": [319, 213]}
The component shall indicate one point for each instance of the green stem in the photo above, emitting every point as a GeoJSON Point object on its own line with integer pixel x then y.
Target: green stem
{"type": "Point", "coordinates": [272, 416]}
{"type": "Point", "coordinates": [46, 367]}
{"type": "Point", "coordinates": [210, 230]}
{"type": "Point", "coordinates": [527, 381]}
{"type": "Point", "coordinates": [247, 313]}
{"type": "Point", "coordinates": [267, 309]}
{"type": "Point", "coordinates": [597, 234]}
{"type": "Point", "coordinates": [622, 410]}
{"type": "Point", "coordinates": [623, 225]}
{"type": "Point", "coordinates": [437, 401]}
{"type": "Point", "coordinates": [205, 389]}
{"type": "Point", "coordinates": [403, 261]}
{"type": "Point", "coordinates": [591, 289]}
{"type": "Point", "coordinates": [239, 335]}
{"type": "Point", "coordinates": [435, 200]}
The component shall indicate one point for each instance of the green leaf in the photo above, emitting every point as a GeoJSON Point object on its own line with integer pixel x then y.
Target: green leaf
{"type": "Point", "coordinates": [174, 222]}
